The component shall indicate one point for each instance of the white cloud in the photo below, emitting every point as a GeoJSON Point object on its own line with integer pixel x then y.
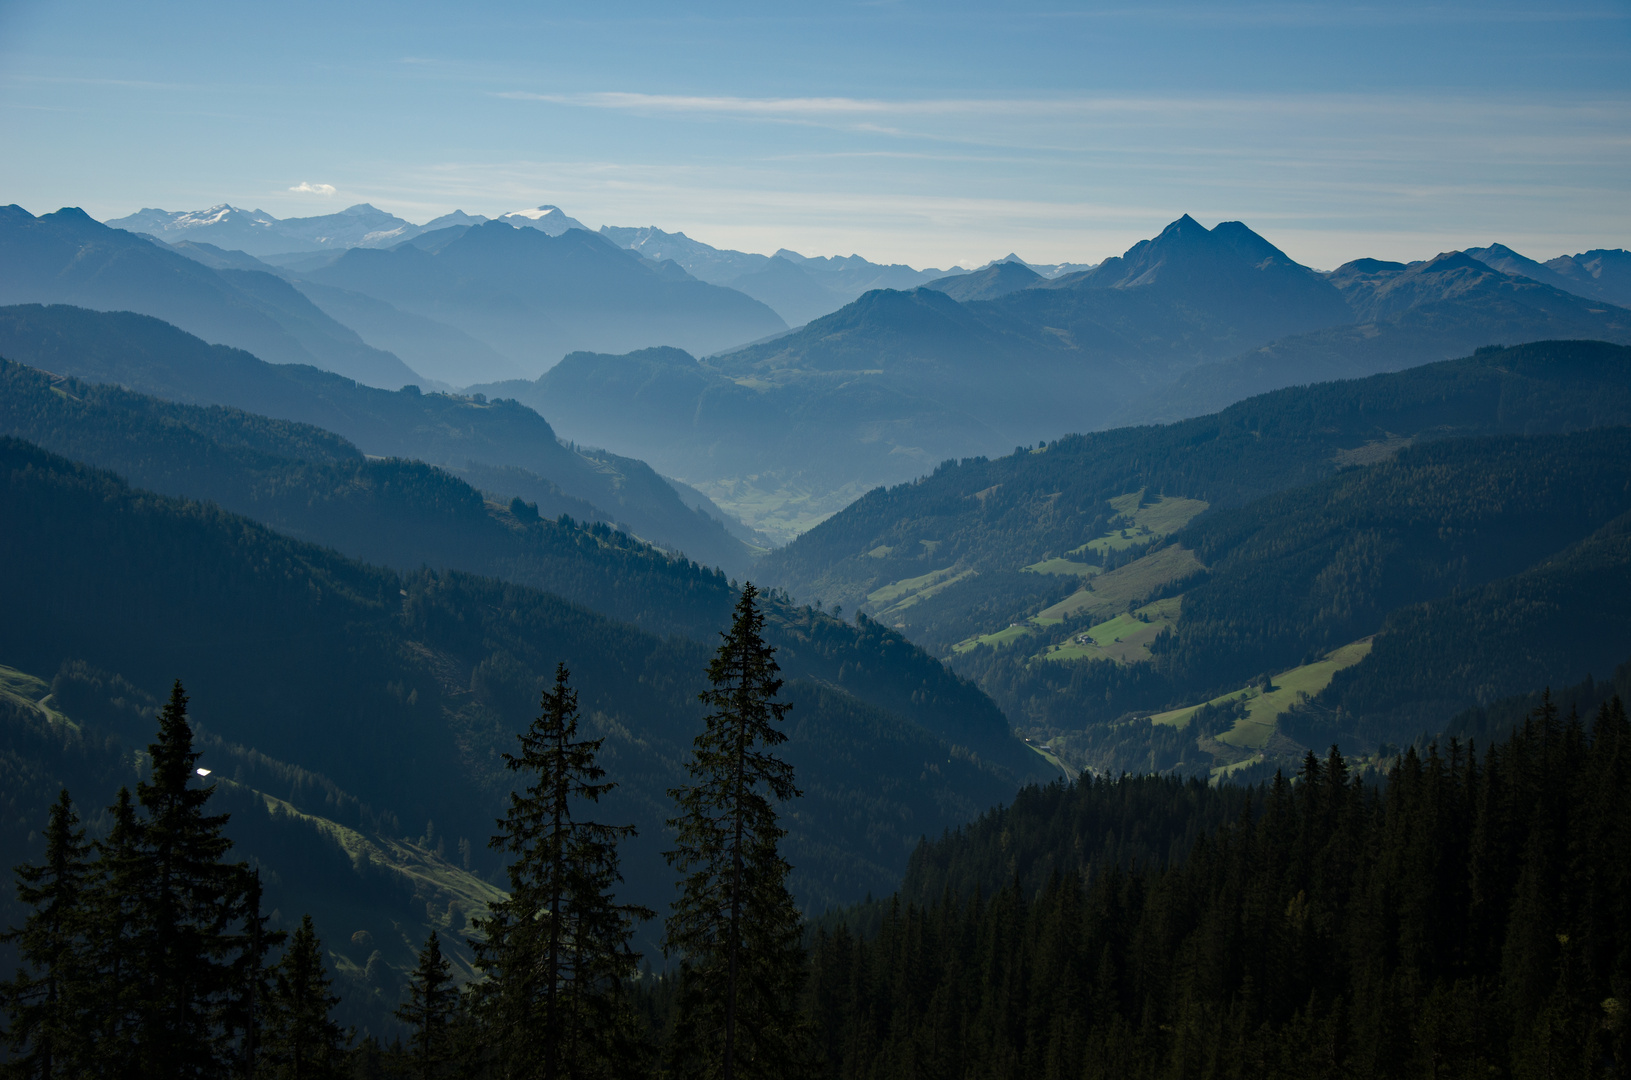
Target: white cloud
{"type": "Point", "coordinates": [313, 189]}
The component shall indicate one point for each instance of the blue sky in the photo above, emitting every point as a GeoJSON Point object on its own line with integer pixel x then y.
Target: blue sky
{"type": "Point", "coordinates": [929, 133]}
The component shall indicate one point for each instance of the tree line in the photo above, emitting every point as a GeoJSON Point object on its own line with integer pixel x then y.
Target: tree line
{"type": "Point", "coordinates": [147, 954]}
{"type": "Point", "coordinates": [1471, 917]}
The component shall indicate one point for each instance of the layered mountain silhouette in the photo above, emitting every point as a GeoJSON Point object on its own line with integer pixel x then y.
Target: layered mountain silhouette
{"type": "Point", "coordinates": [988, 283]}
{"type": "Point", "coordinates": [499, 446]}
{"type": "Point", "coordinates": [1404, 315]}
{"type": "Point", "coordinates": [533, 297]}
{"type": "Point", "coordinates": [898, 380]}
{"type": "Point", "coordinates": [68, 258]}
{"type": "Point", "coordinates": [797, 287]}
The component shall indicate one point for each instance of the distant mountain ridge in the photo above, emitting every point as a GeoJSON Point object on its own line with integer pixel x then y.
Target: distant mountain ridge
{"type": "Point", "coordinates": [258, 233]}
{"type": "Point", "coordinates": [534, 297]}
{"type": "Point", "coordinates": [68, 258]}
{"type": "Point", "coordinates": [503, 447]}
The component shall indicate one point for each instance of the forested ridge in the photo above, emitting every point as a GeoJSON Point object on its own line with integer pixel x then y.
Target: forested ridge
{"type": "Point", "coordinates": [1462, 556]}
{"type": "Point", "coordinates": [499, 442]}
{"type": "Point", "coordinates": [1005, 513]}
{"type": "Point", "coordinates": [313, 485]}
{"type": "Point", "coordinates": [390, 696]}
{"type": "Point", "coordinates": [1469, 917]}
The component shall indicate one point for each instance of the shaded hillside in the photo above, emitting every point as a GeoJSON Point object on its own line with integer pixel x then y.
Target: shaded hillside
{"type": "Point", "coordinates": [788, 290]}
{"type": "Point", "coordinates": [311, 485]}
{"type": "Point", "coordinates": [1553, 624]}
{"type": "Point", "coordinates": [149, 356]}
{"type": "Point", "coordinates": [1010, 512]}
{"type": "Point", "coordinates": [534, 297]}
{"type": "Point", "coordinates": [1469, 918]}
{"type": "Point", "coordinates": [67, 258]}
{"type": "Point", "coordinates": [1407, 315]}
{"type": "Point", "coordinates": [404, 690]}
{"type": "Point", "coordinates": [374, 896]}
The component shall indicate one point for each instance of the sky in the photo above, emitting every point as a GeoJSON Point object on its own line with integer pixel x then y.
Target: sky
{"type": "Point", "coordinates": [932, 133]}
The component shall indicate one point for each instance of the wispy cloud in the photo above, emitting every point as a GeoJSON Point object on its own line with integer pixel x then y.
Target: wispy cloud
{"type": "Point", "coordinates": [304, 188]}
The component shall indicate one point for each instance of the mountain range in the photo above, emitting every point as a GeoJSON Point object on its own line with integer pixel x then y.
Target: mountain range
{"type": "Point", "coordinates": [1146, 571]}
{"type": "Point", "coordinates": [501, 447]}
{"type": "Point", "coordinates": [257, 233]}
{"type": "Point", "coordinates": [896, 381]}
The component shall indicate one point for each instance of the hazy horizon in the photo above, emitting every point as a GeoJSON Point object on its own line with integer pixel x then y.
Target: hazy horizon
{"type": "Point", "coordinates": [933, 136]}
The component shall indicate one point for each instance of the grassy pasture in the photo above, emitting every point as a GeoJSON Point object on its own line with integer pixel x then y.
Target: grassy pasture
{"type": "Point", "coordinates": [1125, 638]}
{"type": "Point", "coordinates": [1106, 597]}
{"type": "Point", "coordinates": [1108, 594]}
{"type": "Point", "coordinates": [31, 692]}
{"type": "Point", "coordinates": [901, 595]}
{"type": "Point", "coordinates": [1263, 709]}
{"type": "Point", "coordinates": [1064, 566]}
{"type": "Point", "coordinates": [1161, 518]}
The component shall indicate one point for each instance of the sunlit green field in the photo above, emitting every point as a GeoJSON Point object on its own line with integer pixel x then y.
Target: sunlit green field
{"type": "Point", "coordinates": [1263, 709]}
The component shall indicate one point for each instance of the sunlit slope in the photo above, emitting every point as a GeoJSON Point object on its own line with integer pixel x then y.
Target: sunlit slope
{"type": "Point", "coordinates": [998, 516]}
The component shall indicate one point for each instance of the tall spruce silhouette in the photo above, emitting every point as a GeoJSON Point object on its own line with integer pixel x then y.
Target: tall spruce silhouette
{"type": "Point", "coordinates": [557, 951]}
{"type": "Point", "coordinates": [46, 1000]}
{"type": "Point", "coordinates": [302, 1041]}
{"type": "Point", "coordinates": [734, 926]}
{"type": "Point", "coordinates": [429, 1012]}
{"type": "Point", "coordinates": [182, 904]}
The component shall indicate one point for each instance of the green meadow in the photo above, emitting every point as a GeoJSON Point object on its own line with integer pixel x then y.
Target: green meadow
{"type": "Point", "coordinates": [1263, 708]}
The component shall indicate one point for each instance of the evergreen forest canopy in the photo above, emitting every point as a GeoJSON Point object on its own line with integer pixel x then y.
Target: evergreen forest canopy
{"type": "Point", "coordinates": [364, 712]}
{"type": "Point", "coordinates": [1467, 913]}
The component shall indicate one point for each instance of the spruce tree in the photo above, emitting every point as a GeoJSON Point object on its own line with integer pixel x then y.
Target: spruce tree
{"type": "Point", "coordinates": [734, 926]}
{"type": "Point", "coordinates": [557, 952]}
{"type": "Point", "coordinates": [114, 961]}
{"type": "Point", "coordinates": [432, 1006]}
{"type": "Point", "coordinates": [301, 1039]}
{"type": "Point", "coordinates": [188, 902]}
{"type": "Point", "coordinates": [47, 1001]}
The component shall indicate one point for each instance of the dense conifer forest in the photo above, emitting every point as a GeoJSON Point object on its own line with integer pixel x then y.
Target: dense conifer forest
{"type": "Point", "coordinates": [1466, 917]}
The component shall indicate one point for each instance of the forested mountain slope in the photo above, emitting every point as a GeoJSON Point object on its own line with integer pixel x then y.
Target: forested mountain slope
{"type": "Point", "coordinates": [1558, 622]}
{"type": "Point", "coordinates": [1273, 596]}
{"type": "Point", "coordinates": [995, 516]}
{"type": "Point", "coordinates": [375, 894]}
{"type": "Point", "coordinates": [313, 485]}
{"type": "Point", "coordinates": [68, 258]}
{"type": "Point", "coordinates": [404, 690]}
{"type": "Point", "coordinates": [496, 444]}
{"type": "Point", "coordinates": [309, 484]}
{"type": "Point", "coordinates": [1469, 918]}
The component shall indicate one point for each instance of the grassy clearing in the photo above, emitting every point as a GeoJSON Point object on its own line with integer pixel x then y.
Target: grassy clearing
{"type": "Point", "coordinates": [897, 597]}
{"type": "Point", "coordinates": [1102, 599]}
{"type": "Point", "coordinates": [1161, 518]}
{"type": "Point", "coordinates": [1052, 759]}
{"type": "Point", "coordinates": [1263, 709]}
{"type": "Point", "coordinates": [31, 692]}
{"type": "Point", "coordinates": [1108, 594]}
{"type": "Point", "coordinates": [1064, 566]}
{"type": "Point", "coordinates": [1124, 639]}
